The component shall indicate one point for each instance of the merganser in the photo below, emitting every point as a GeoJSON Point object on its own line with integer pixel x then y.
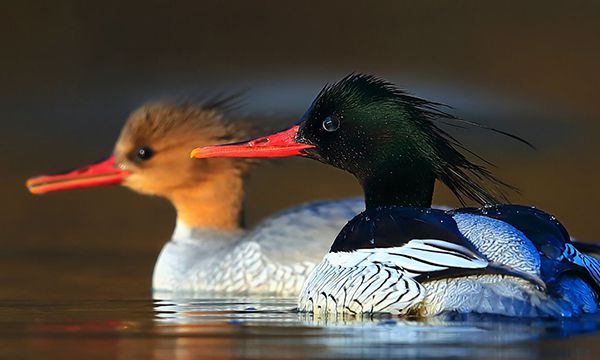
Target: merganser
{"type": "Point", "coordinates": [209, 252]}
{"type": "Point", "coordinates": [399, 255]}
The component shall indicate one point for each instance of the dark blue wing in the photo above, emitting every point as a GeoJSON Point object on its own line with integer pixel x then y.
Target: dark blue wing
{"type": "Point", "coordinates": [549, 236]}
{"type": "Point", "coordinates": [395, 226]}
{"type": "Point", "coordinates": [542, 229]}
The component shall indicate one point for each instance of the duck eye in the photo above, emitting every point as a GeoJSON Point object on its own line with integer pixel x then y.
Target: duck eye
{"type": "Point", "coordinates": [144, 153]}
{"type": "Point", "coordinates": [331, 123]}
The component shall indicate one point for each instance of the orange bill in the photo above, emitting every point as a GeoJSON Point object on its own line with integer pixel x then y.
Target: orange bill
{"type": "Point", "coordinates": [281, 144]}
{"type": "Point", "coordinates": [101, 173]}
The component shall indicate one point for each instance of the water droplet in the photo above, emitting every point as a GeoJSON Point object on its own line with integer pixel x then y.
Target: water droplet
{"type": "Point", "coordinates": [372, 241]}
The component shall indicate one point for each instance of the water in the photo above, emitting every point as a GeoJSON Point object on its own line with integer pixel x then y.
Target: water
{"type": "Point", "coordinates": [266, 328]}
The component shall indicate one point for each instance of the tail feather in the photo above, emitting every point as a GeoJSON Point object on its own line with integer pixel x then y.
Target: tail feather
{"type": "Point", "coordinates": [592, 249]}
{"type": "Point", "coordinates": [590, 263]}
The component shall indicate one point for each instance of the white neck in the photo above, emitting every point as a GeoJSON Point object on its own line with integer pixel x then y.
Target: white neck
{"type": "Point", "coordinates": [190, 249]}
{"type": "Point", "coordinates": [217, 237]}
{"type": "Point", "coordinates": [182, 231]}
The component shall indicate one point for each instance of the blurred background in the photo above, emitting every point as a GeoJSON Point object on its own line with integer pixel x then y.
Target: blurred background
{"type": "Point", "coordinates": [72, 71]}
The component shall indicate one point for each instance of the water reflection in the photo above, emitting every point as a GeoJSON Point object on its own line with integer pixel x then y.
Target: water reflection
{"type": "Point", "coordinates": [269, 322]}
{"type": "Point", "coordinates": [269, 328]}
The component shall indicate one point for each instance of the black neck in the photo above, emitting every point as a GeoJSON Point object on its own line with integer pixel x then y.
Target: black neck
{"type": "Point", "coordinates": [398, 187]}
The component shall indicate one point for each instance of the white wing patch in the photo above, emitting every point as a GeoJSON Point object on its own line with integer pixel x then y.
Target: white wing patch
{"type": "Point", "coordinates": [416, 257]}
{"type": "Point", "coordinates": [381, 279]}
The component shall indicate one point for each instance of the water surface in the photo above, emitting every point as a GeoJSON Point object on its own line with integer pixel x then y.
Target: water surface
{"type": "Point", "coordinates": [266, 328]}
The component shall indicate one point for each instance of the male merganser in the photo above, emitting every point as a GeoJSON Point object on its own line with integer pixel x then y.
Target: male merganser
{"type": "Point", "coordinates": [399, 255]}
{"type": "Point", "coordinates": [209, 252]}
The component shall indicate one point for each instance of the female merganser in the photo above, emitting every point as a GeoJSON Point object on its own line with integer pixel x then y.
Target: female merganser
{"type": "Point", "coordinates": [399, 255]}
{"type": "Point", "coordinates": [209, 252]}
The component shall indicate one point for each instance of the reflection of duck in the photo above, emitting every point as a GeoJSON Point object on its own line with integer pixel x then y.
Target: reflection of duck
{"type": "Point", "coordinates": [209, 252]}
{"type": "Point", "coordinates": [400, 255]}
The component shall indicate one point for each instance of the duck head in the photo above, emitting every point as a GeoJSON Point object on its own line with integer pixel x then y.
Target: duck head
{"type": "Point", "coordinates": [390, 141]}
{"type": "Point", "coordinates": [151, 157]}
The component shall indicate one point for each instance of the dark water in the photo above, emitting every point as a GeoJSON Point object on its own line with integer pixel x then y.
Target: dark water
{"type": "Point", "coordinates": [266, 328]}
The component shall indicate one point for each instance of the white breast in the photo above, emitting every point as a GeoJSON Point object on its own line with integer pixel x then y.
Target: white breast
{"type": "Point", "coordinates": [273, 259]}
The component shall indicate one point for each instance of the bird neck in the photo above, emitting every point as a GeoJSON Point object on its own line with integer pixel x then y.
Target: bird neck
{"type": "Point", "coordinates": [215, 203]}
{"type": "Point", "coordinates": [398, 186]}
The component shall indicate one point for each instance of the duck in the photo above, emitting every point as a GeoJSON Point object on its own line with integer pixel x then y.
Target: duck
{"type": "Point", "coordinates": [210, 252]}
{"type": "Point", "coordinates": [401, 256]}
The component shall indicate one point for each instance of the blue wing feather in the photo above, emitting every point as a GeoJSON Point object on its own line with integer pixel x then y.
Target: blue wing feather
{"type": "Point", "coordinates": [558, 253]}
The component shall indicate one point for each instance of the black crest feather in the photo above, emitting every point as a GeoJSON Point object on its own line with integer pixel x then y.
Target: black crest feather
{"type": "Point", "coordinates": [443, 151]}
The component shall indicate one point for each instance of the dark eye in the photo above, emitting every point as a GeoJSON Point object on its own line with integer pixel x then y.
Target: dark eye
{"type": "Point", "coordinates": [144, 153]}
{"type": "Point", "coordinates": [331, 123]}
